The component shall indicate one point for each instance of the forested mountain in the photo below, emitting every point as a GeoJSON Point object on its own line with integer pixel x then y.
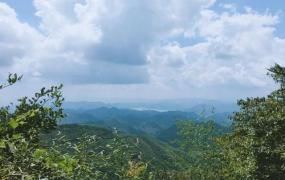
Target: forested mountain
{"type": "Point", "coordinates": [159, 155]}
{"type": "Point", "coordinates": [138, 122]}
{"type": "Point", "coordinates": [130, 121]}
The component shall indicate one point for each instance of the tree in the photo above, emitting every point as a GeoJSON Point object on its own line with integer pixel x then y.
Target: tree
{"type": "Point", "coordinates": [199, 140]}
{"type": "Point", "coordinates": [256, 148]}
{"type": "Point", "coordinates": [25, 153]}
{"type": "Point", "coordinates": [20, 130]}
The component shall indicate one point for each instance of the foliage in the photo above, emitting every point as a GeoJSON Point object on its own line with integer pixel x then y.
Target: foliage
{"type": "Point", "coordinates": [30, 148]}
{"type": "Point", "coordinates": [20, 129]}
{"type": "Point", "coordinates": [132, 156]}
{"type": "Point", "coordinates": [22, 154]}
{"type": "Point", "coordinates": [255, 150]}
{"type": "Point", "coordinates": [255, 147]}
{"type": "Point", "coordinates": [200, 141]}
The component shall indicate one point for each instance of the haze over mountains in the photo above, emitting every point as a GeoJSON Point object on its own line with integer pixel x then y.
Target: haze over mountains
{"type": "Point", "coordinates": [191, 105]}
{"type": "Point", "coordinates": [157, 118]}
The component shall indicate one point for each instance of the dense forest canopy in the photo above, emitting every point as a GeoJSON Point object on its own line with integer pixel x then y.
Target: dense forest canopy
{"type": "Point", "coordinates": [33, 145]}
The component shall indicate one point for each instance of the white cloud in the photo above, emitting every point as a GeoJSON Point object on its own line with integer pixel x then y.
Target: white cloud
{"type": "Point", "coordinates": [96, 41]}
{"type": "Point", "coordinates": [132, 42]}
{"type": "Point", "coordinates": [236, 49]}
{"type": "Point", "coordinates": [17, 39]}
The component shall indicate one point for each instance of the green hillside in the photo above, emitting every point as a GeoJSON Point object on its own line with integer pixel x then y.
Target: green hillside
{"type": "Point", "coordinates": [137, 122]}
{"type": "Point", "coordinates": [158, 154]}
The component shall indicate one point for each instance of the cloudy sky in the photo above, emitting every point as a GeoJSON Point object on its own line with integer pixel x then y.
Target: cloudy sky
{"type": "Point", "coordinates": [142, 49]}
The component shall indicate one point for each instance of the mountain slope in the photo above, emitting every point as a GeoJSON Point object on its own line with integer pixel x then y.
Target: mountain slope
{"type": "Point", "coordinates": [127, 120]}
{"type": "Point", "coordinates": [158, 154]}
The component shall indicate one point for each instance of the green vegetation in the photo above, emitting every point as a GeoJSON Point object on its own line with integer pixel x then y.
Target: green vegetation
{"type": "Point", "coordinates": [128, 120]}
{"type": "Point", "coordinates": [253, 149]}
{"type": "Point", "coordinates": [156, 154]}
{"type": "Point", "coordinates": [33, 145]}
{"type": "Point", "coordinates": [199, 141]}
{"type": "Point", "coordinates": [256, 147]}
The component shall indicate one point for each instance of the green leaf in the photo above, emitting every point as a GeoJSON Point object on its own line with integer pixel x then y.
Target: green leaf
{"type": "Point", "coordinates": [2, 144]}
{"type": "Point", "coordinates": [13, 123]}
{"type": "Point", "coordinates": [17, 136]}
{"type": "Point", "coordinates": [39, 153]}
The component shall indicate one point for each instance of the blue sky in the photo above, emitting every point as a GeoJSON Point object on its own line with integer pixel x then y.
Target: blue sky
{"type": "Point", "coordinates": [273, 6]}
{"type": "Point", "coordinates": [151, 49]}
{"type": "Point", "coordinates": [25, 11]}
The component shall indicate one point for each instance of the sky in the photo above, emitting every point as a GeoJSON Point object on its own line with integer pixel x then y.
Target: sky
{"type": "Point", "coordinates": [106, 50]}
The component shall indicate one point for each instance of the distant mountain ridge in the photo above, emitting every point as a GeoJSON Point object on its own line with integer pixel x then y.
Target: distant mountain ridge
{"type": "Point", "coordinates": [192, 105]}
{"type": "Point", "coordinates": [156, 118]}
{"type": "Point", "coordinates": [137, 122]}
{"type": "Point", "coordinates": [130, 121]}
